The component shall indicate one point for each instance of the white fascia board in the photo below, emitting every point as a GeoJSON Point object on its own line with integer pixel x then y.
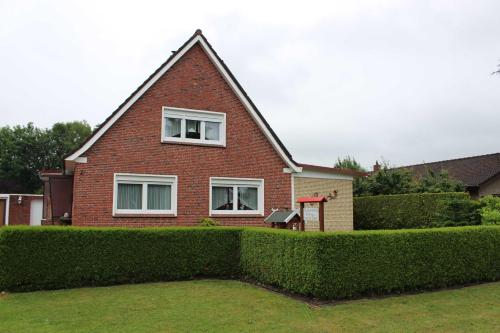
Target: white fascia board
{"type": "Point", "coordinates": [125, 107]}
{"type": "Point", "coordinates": [247, 105]}
{"type": "Point", "coordinates": [227, 77]}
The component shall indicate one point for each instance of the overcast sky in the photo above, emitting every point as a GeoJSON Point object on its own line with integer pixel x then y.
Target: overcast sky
{"type": "Point", "coordinates": [408, 81]}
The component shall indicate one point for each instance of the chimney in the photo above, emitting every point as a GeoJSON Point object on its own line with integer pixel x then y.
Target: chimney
{"type": "Point", "coordinates": [376, 167]}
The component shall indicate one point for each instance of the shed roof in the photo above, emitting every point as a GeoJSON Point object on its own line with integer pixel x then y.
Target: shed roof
{"type": "Point", "coordinates": [312, 199]}
{"type": "Point", "coordinates": [281, 216]}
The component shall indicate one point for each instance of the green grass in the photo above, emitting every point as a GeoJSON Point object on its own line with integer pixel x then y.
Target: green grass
{"type": "Point", "coordinates": [233, 306]}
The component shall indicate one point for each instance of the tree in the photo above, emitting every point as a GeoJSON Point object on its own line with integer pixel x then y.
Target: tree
{"type": "Point", "coordinates": [349, 162]}
{"type": "Point", "coordinates": [385, 181]}
{"type": "Point", "coordinates": [25, 150]}
{"type": "Point", "coordinates": [65, 138]}
{"type": "Point", "coordinates": [438, 182]}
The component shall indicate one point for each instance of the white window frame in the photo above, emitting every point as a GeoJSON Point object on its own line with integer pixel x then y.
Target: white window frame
{"type": "Point", "coordinates": [199, 115]}
{"type": "Point", "coordinates": [235, 183]}
{"type": "Point", "coordinates": [144, 180]}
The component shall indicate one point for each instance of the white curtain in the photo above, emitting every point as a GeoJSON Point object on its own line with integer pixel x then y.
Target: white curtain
{"type": "Point", "coordinates": [222, 198]}
{"type": "Point", "coordinates": [129, 196]}
{"type": "Point", "coordinates": [247, 198]}
{"type": "Point", "coordinates": [159, 197]}
{"type": "Point", "coordinates": [212, 130]}
{"type": "Point", "coordinates": [173, 127]}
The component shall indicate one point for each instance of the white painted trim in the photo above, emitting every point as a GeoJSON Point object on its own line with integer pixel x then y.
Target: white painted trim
{"type": "Point", "coordinates": [81, 160]}
{"type": "Point", "coordinates": [322, 175]}
{"type": "Point", "coordinates": [224, 73]}
{"type": "Point", "coordinates": [23, 194]}
{"type": "Point", "coordinates": [145, 179]}
{"type": "Point", "coordinates": [291, 216]}
{"type": "Point", "coordinates": [235, 182]}
{"type": "Point", "coordinates": [247, 105]}
{"type": "Point", "coordinates": [7, 206]}
{"type": "Point", "coordinates": [191, 114]}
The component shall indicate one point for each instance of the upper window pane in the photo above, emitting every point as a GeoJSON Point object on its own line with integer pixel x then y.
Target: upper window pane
{"type": "Point", "coordinates": [247, 198]}
{"type": "Point", "coordinates": [212, 130]}
{"type": "Point", "coordinates": [222, 198]}
{"type": "Point", "coordinates": [173, 127]}
{"type": "Point", "coordinates": [129, 196]}
{"type": "Point", "coordinates": [193, 129]}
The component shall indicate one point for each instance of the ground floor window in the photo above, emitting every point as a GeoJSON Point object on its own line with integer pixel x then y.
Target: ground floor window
{"type": "Point", "coordinates": [145, 194]}
{"type": "Point", "coordinates": [236, 196]}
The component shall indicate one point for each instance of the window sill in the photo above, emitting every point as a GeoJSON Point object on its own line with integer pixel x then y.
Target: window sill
{"type": "Point", "coordinates": [218, 145]}
{"type": "Point", "coordinates": [236, 215]}
{"type": "Point", "coordinates": [144, 215]}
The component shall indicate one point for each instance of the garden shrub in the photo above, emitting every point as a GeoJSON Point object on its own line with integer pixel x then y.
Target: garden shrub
{"type": "Point", "coordinates": [208, 222]}
{"type": "Point", "coordinates": [419, 210]}
{"type": "Point", "coordinates": [348, 264]}
{"type": "Point", "coordinates": [324, 265]}
{"type": "Point", "coordinates": [63, 257]}
{"type": "Point", "coordinates": [490, 210]}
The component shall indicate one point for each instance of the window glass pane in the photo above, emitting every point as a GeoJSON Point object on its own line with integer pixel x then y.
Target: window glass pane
{"type": "Point", "coordinates": [173, 127]}
{"type": "Point", "coordinates": [129, 196]}
{"type": "Point", "coordinates": [212, 130]}
{"type": "Point", "coordinates": [247, 198]}
{"type": "Point", "coordinates": [159, 197]}
{"type": "Point", "coordinates": [193, 129]}
{"type": "Point", "coordinates": [222, 198]}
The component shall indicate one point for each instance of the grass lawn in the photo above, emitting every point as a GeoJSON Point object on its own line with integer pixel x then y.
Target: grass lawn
{"type": "Point", "coordinates": [233, 306]}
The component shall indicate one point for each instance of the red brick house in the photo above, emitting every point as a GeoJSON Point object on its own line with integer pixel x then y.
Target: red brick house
{"type": "Point", "coordinates": [187, 144]}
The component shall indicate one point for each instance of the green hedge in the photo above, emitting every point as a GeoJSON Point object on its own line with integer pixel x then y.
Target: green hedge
{"type": "Point", "coordinates": [349, 264]}
{"type": "Point", "coordinates": [419, 210]}
{"type": "Point", "coordinates": [324, 265]}
{"type": "Point", "coordinates": [65, 257]}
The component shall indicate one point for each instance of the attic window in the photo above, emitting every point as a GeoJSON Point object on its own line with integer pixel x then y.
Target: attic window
{"type": "Point", "coordinates": [193, 126]}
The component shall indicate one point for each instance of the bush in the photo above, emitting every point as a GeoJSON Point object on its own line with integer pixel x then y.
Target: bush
{"type": "Point", "coordinates": [490, 210]}
{"type": "Point", "coordinates": [65, 257]}
{"type": "Point", "coordinates": [208, 222]}
{"type": "Point", "coordinates": [324, 265]}
{"type": "Point", "coordinates": [420, 210]}
{"type": "Point", "coordinates": [342, 265]}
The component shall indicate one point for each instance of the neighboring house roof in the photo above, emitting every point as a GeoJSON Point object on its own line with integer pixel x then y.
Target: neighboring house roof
{"type": "Point", "coordinates": [281, 216]}
{"type": "Point", "coordinates": [347, 172]}
{"type": "Point", "coordinates": [472, 171]}
{"type": "Point", "coordinates": [197, 38]}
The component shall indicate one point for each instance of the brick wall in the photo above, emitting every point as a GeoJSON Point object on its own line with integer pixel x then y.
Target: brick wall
{"type": "Point", "coordinates": [338, 211]}
{"type": "Point", "coordinates": [132, 145]}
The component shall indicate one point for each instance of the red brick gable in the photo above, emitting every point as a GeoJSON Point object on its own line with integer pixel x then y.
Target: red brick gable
{"type": "Point", "coordinates": [132, 145]}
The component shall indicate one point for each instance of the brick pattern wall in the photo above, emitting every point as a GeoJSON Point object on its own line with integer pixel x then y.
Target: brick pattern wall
{"type": "Point", "coordinates": [132, 145]}
{"type": "Point", "coordinates": [19, 214]}
{"type": "Point", "coordinates": [338, 211]}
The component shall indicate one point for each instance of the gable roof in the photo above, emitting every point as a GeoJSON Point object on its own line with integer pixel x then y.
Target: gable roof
{"type": "Point", "coordinates": [197, 38]}
{"type": "Point", "coordinates": [472, 171]}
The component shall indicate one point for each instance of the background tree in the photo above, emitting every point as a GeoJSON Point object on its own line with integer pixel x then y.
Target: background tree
{"type": "Point", "coordinates": [25, 150]}
{"type": "Point", "coordinates": [438, 182]}
{"type": "Point", "coordinates": [385, 181]}
{"type": "Point", "coordinates": [349, 162]}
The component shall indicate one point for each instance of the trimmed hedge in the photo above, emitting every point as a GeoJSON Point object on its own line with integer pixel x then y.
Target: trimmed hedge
{"type": "Point", "coordinates": [324, 265]}
{"type": "Point", "coordinates": [66, 257]}
{"type": "Point", "coordinates": [408, 211]}
{"type": "Point", "coordinates": [349, 264]}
